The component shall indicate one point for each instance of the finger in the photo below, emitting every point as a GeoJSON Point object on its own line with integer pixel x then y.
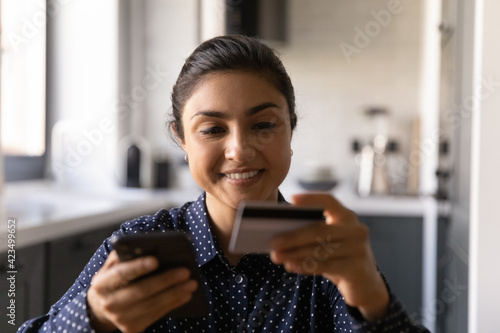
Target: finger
{"type": "Point", "coordinates": [311, 235]}
{"type": "Point", "coordinates": [334, 211]}
{"type": "Point", "coordinates": [147, 288]}
{"type": "Point", "coordinates": [124, 273]}
{"type": "Point", "coordinates": [311, 266]}
{"type": "Point", "coordinates": [145, 312]}
{"type": "Point", "coordinates": [116, 275]}
{"type": "Point", "coordinates": [110, 261]}
{"type": "Point", "coordinates": [170, 299]}
{"type": "Point", "coordinates": [319, 252]}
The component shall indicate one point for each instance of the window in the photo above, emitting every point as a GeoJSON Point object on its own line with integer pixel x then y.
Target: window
{"type": "Point", "coordinates": [22, 87]}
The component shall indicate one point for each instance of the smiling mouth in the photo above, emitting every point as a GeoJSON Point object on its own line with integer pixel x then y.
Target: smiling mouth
{"type": "Point", "coordinates": [242, 175]}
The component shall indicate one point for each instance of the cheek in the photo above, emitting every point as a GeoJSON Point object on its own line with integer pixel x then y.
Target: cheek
{"type": "Point", "coordinates": [279, 149]}
{"type": "Point", "coordinates": [203, 155]}
{"type": "Point", "coordinates": [279, 139]}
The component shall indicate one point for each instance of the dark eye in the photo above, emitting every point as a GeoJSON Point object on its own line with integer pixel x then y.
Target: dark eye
{"type": "Point", "coordinates": [212, 130]}
{"type": "Point", "coordinates": [264, 125]}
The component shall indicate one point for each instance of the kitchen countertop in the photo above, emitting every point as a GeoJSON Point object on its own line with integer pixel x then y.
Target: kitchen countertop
{"type": "Point", "coordinates": [46, 210]}
{"type": "Point", "coordinates": [375, 205]}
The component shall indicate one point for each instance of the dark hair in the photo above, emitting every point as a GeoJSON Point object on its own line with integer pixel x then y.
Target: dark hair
{"type": "Point", "coordinates": [232, 52]}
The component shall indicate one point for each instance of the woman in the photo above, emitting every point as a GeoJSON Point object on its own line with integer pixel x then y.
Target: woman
{"type": "Point", "coordinates": [234, 114]}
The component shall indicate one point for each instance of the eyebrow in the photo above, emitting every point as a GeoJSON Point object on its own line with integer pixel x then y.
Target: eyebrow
{"type": "Point", "coordinates": [214, 114]}
{"type": "Point", "coordinates": [260, 107]}
{"type": "Point", "coordinates": [248, 113]}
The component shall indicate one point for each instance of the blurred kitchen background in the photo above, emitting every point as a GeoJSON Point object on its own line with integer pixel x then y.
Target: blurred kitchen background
{"type": "Point", "coordinates": [395, 101]}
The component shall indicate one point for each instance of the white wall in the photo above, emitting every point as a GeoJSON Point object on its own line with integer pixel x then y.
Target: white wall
{"type": "Point", "coordinates": [485, 182]}
{"type": "Point", "coordinates": [331, 92]}
{"type": "Point", "coordinates": [171, 34]}
{"type": "Point", "coordinates": [82, 90]}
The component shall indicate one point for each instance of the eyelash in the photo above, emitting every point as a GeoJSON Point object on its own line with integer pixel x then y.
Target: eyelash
{"type": "Point", "coordinates": [215, 130]}
{"type": "Point", "coordinates": [264, 125]}
{"type": "Point", "coordinates": [212, 130]}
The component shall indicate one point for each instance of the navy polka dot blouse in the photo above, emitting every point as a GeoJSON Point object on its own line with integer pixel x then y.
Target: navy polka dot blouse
{"type": "Point", "coordinates": [255, 296]}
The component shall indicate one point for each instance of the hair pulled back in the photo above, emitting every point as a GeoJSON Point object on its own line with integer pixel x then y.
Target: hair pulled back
{"type": "Point", "coordinates": [223, 53]}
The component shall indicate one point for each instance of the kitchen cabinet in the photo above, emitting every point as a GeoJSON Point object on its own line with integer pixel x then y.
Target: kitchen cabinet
{"type": "Point", "coordinates": [67, 257]}
{"type": "Point", "coordinates": [29, 286]}
{"type": "Point", "coordinates": [397, 246]}
{"type": "Point", "coordinates": [44, 272]}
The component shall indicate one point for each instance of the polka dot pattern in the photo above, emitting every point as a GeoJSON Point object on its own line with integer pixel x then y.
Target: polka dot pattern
{"type": "Point", "coordinates": [254, 296]}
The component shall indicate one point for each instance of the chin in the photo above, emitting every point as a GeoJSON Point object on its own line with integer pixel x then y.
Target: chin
{"type": "Point", "coordinates": [232, 198]}
{"type": "Point", "coordinates": [268, 196]}
{"type": "Point", "coordinates": [235, 199]}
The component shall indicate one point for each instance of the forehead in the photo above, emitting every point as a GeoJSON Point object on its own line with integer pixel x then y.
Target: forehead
{"type": "Point", "coordinates": [232, 90]}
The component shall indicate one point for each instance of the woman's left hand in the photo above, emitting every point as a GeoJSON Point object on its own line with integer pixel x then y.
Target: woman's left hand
{"type": "Point", "coordinates": [339, 250]}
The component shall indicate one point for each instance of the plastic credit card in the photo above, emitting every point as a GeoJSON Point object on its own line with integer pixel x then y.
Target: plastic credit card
{"type": "Point", "coordinates": [258, 222]}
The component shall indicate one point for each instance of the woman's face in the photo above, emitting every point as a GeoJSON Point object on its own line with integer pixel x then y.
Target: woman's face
{"type": "Point", "coordinates": [237, 136]}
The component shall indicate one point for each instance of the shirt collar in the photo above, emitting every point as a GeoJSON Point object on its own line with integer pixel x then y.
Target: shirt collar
{"type": "Point", "coordinates": [198, 224]}
{"type": "Point", "coordinates": [199, 229]}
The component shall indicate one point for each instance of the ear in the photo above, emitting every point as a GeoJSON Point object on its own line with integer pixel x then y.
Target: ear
{"type": "Point", "coordinates": [182, 142]}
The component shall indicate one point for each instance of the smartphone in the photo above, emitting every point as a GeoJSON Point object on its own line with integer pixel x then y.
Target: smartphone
{"type": "Point", "coordinates": [257, 222]}
{"type": "Point", "coordinates": [173, 249]}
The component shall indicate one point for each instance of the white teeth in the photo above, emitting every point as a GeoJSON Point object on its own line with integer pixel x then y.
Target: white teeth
{"type": "Point", "coordinates": [244, 175]}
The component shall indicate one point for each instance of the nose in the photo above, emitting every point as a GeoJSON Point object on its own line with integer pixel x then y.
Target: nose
{"type": "Point", "coordinates": [239, 148]}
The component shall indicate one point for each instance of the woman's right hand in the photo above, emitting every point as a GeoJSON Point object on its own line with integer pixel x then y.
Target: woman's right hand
{"type": "Point", "coordinates": [118, 303]}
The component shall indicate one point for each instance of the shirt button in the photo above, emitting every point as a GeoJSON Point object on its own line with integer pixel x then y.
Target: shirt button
{"type": "Point", "coordinates": [239, 279]}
